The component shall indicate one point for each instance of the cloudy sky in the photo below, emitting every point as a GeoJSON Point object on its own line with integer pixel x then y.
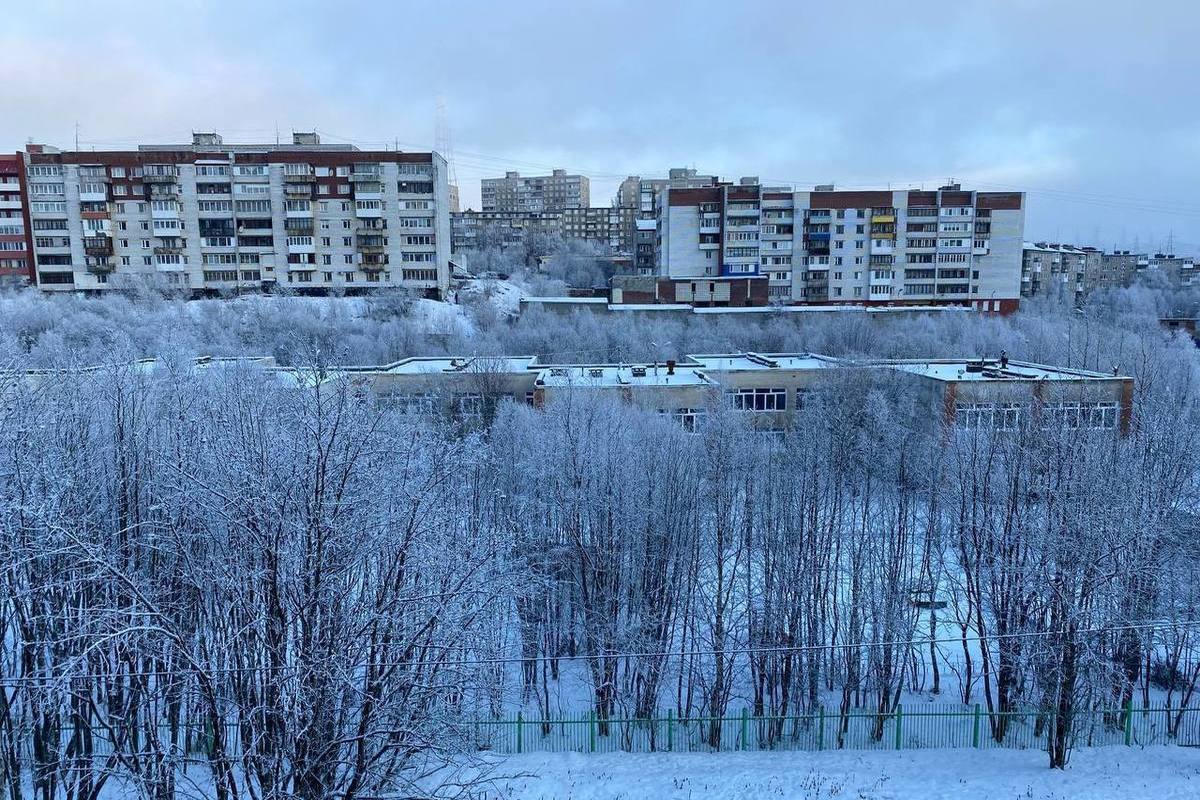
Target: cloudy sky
{"type": "Point", "coordinates": [1091, 107]}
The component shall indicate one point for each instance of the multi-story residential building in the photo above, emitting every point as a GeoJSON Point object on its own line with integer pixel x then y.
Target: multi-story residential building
{"type": "Point", "coordinates": [471, 230]}
{"type": "Point", "coordinates": [610, 227]}
{"type": "Point", "coordinates": [213, 216]}
{"type": "Point", "coordinates": [1116, 269]}
{"type": "Point", "coordinates": [16, 256]}
{"type": "Point", "coordinates": [540, 193]}
{"type": "Point", "coordinates": [1179, 271]}
{"type": "Point", "coordinates": [1057, 270]}
{"type": "Point", "coordinates": [948, 246]}
{"type": "Point", "coordinates": [641, 194]}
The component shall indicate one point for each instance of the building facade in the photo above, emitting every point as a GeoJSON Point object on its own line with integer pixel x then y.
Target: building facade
{"type": "Point", "coordinates": [611, 227]}
{"type": "Point", "coordinates": [1057, 270]}
{"type": "Point", "coordinates": [535, 194]}
{"type": "Point", "coordinates": [471, 230]}
{"type": "Point", "coordinates": [16, 257]}
{"type": "Point", "coordinates": [948, 246]}
{"type": "Point", "coordinates": [641, 195]}
{"type": "Point", "coordinates": [209, 216]}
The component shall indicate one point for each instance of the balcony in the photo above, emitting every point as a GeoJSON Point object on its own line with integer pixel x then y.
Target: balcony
{"type": "Point", "coordinates": [367, 176]}
{"type": "Point", "coordinates": [101, 266]}
{"type": "Point", "coordinates": [9, 185]}
{"type": "Point", "coordinates": [216, 241]}
{"type": "Point", "coordinates": [95, 215]}
{"type": "Point", "coordinates": [732, 211]}
{"type": "Point", "coordinates": [298, 190]}
{"type": "Point", "coordinates": [93, 197]}
{"type": "Point", "coordinates": [298, 211]}
{"type": "Point", "coordinates": [882, 246]}
{"type": "Point", "coordinates": [301, 244]}
{"type": "Point", "coordinates": [369, 212]}
{"type": "Point", "coordinates": [173, 250]}
{"type": "Point", "coordinates": [299, 177]}
{"type": "Point", "coordinates": [97, 246]}
{"type": "Point", "coordinates": [10, 205]}
{"type": "Point", "coordinates": [877, 219]}
{"type": "Point", "coordinates": [159, 178]}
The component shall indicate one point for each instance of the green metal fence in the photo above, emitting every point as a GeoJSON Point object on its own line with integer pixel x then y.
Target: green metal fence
{"type": "Point", "coordinates": [907, 727]}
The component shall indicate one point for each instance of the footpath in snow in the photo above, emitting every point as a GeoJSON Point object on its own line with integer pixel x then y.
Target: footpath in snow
{"type": "Point", "coordinates": [1155, 773]}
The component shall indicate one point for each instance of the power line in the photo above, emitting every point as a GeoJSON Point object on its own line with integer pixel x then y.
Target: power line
{"type": "Point", "coordinates": [22, 680]}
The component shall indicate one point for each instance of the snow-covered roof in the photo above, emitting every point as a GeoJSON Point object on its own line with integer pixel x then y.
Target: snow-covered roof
{"type": "Point", "coordinates": [747, 362]}
{"type": "Point", "coordinates": [566, 300]}
{"type": "Point", "coordinates": [967, 370]}
{"type": "Point", "coordinates": [647, 224]}
{"type": "Point", "coordinates": [620, 376]}
{"type": "Point", "coordinates": [463, 364]}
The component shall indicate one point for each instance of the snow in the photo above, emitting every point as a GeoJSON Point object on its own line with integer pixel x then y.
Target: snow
{"type": "Point", "coordinates": [1157, 773]}
{"type": "Point", "coordinates": [956, 370]}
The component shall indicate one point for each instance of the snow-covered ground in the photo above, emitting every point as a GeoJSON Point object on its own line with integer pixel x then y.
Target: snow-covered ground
{"type": "Point", "coordinates": [1156, 773]}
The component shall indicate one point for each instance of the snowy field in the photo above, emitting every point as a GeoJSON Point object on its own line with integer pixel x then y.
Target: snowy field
{"type": "Point", "coordinates": [1157, 773]}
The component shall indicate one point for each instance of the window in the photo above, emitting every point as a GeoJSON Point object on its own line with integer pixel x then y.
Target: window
{"type": "Point", "coordinates": [758, 399]}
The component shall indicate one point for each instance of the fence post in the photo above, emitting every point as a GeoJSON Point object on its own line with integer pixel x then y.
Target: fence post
{"type": "Point", "coordinates": [975, 729]}
{"type": "Point", "coordinates": [745, 728]}
{"type": "Point", "coordinates": [1128, 722]}
{"type": "Point", "coordinates": [520, 733]}
{"type": "Point", "coordinates": [821, 727]}
{"type": "Point", "coordinates": [670, 731]}
{"type": "Point", "coordinates": [899, 716]}
{"type": "Point", "coordinates": [592, 731]}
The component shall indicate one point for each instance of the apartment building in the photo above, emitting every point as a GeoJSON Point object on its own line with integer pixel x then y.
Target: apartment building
{"type": "Point", "coordinates": [611, 227]}
{"type": "Point", "coordinates": [536, 194]}
{"type": "Point", "coordinates": [1179, 271]}
{"type": "Point", "coordinates": [641, 195]}
{"type": "Point", "coordinates": [1114, 270]}
{"type": "Point", "coordinates": [210, 216]}
{"type": "Point", "coordinates": [1057, 270]}
{"type": "Point", "coordinates": [472, 230]}
{"type": "Point", "coordinates": [949, 246]}
{"type": "Point", "coordinates": [15, 248]}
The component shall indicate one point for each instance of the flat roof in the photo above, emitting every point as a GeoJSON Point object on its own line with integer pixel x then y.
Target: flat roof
{"type": "Point", "coordinates": [748, 362]}
{"type": "Point", "coordinates": [956, 369]}
{"type": "Point", "coordinates": [565, 300]}
{"type": "Point", "coordinates": [825, 309]}
{"type": "Point", "coordinates": [460, 364]}
{"type": "Point", "coordinates": [617, 377]}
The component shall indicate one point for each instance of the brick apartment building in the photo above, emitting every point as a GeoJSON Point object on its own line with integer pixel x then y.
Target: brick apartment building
{"type": "Point", "coordinates": [16, 257]}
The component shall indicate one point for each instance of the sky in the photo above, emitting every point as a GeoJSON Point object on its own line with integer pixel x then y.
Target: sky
{"type": "Point", "coordinates": [1092, 108]}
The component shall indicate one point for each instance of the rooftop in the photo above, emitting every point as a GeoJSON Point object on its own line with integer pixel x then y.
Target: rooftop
{"type": "Point", "coordinates": [747, 362]}
{"type": "Point", "coordinates": [962, 369]}
{"type": "Point", "coordinates": [616, 377]}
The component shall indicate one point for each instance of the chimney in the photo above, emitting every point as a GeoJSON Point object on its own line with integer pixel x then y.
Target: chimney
{"type": "Point", "coordinates": [670, 366]}
{"type": "Point", "coordinates": [1003, 359]}
{"type": "Point", "coordinates": [305, 137]}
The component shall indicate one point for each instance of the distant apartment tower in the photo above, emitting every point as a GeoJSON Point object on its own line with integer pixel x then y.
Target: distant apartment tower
{"type": "Point", "coordinates": [16, 257]}
{"type": "Point", "coordinates": [909, 247]}
{"type": "Point", "coordinates": [212, 216]}
{"type": "Point", "coordinates": [1057, 270]}
{"type": "Point", "coordinates": [641, 194]}
{"type": "Point", "coordinates": [540, 193]}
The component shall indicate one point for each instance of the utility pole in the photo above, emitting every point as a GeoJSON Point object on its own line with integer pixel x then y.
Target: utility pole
{"type": "Point", "coordinates": [77, 136]}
